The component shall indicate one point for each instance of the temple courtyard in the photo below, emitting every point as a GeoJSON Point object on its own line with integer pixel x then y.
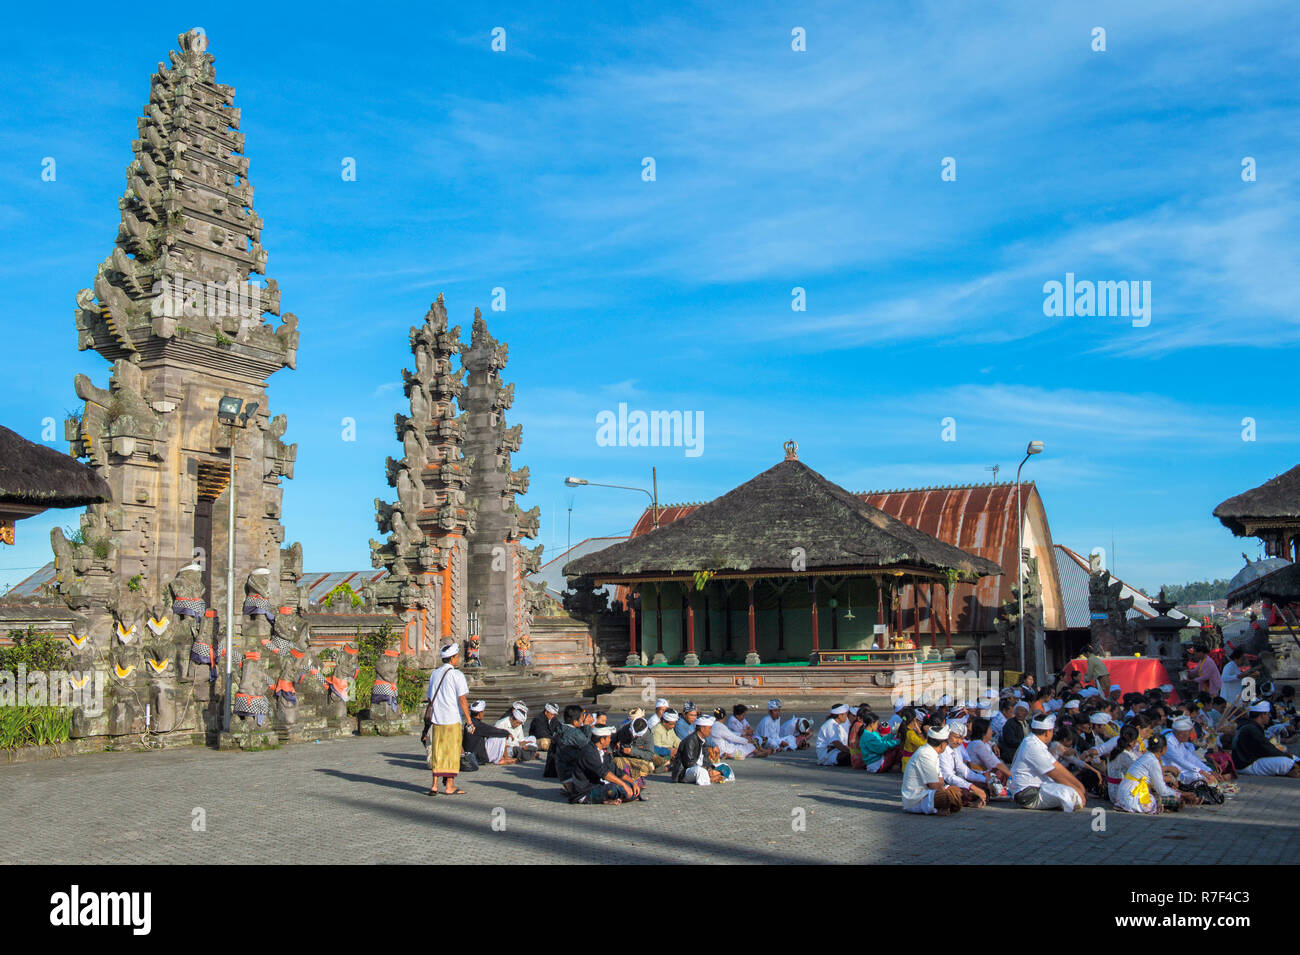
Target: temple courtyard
{"type": "Point", "coordinates": [362, 800]}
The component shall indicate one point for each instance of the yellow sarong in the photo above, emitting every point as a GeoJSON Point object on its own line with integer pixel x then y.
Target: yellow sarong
{"type": "Point", "coordinates": [444, 751]}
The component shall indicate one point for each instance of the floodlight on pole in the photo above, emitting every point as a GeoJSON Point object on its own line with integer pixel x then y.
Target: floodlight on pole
{"type": "Point", "coordinates": [233, 413]}
{"type": "Point", "coordinates": [1034, 447]}
{"type": "Point", "coordinates": [654, 498]}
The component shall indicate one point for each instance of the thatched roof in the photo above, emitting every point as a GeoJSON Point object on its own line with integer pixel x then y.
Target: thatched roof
{"type": "Point", "coordinates": [33, 475]}
{"type": "Point", "coordinates": [1278, 499]}
{"type": "Point", "coordinates": [1280, 586]}
{"type": "Point", "coordinates": [754, 527]}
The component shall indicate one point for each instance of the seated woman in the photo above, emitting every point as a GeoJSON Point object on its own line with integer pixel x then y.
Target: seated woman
{"type": "Point", "coordinates": [730, 743]}
{"type": "Point", "coordinates": [877, 752]}
{"type": "Point", "coordinates": [1142, 788]}
{"type": "Point", "coordinates": [910, 732]}
{"type": "Point", "coordinates": [982, 752]}
{"type": "Point", "coordinates": [1121, 758]}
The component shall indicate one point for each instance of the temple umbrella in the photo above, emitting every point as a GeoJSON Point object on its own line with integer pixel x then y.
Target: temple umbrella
{"type": "Point", "coordinates": [34, 478]}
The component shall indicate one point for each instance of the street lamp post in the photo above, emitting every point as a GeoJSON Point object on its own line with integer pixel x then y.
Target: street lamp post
{"type": "Point", "coordinates": [654, 497]}
{"type": "Point", "coordinates": [229, 414]}
{"type": "Point", "coordinates": [1035, 447]}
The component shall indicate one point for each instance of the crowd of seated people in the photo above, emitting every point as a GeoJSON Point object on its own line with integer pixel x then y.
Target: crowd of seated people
{"type": "Point", "coordinates": [1056, 747]}
{"type": "Point", "coordinates": [1053, 747]}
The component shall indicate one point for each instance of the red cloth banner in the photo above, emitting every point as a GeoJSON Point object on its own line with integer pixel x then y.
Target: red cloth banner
{"type": "Point", "coordinates": [1133, 674]}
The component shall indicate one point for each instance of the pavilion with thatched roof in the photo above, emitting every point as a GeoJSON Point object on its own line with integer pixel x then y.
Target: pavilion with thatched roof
{"type": "Point", "coordinates": [34, 478]}
{"type": "Point", "coordinates": [780, 552]}
{"type": "Point", "coordinates": [1270, 512]}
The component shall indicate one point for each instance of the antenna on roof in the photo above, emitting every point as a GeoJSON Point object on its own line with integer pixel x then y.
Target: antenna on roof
{"type": "Point", "coordinates": [995, 469]}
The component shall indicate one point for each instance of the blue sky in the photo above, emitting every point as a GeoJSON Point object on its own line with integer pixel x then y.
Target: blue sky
{"type": "Point", "coordinates": [820, 169]}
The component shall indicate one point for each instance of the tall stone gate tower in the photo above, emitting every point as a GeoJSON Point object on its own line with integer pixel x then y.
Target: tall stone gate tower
{"type": "Point", "coordinates": [454, 549]}
{"type": "Point", "coordinates": [181, 310]}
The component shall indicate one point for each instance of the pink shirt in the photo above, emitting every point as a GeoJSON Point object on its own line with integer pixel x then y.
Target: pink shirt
{"type": "Point", "coordinates": [1207, 673]}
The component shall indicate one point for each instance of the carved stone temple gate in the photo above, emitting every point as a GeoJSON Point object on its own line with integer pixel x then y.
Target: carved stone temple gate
{"type": "Point", "coordinates": [183, 311]}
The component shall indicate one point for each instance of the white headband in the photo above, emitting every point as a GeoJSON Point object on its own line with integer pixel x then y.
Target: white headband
{"type": "Point", "coordinates": [450, 650]}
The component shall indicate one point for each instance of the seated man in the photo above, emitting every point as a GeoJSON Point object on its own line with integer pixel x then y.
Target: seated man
{"type": "Point", "coordinates": [593, 778]}
{"type": "Point", "coordinates": [1015, 730]}
{"type": "Point", "coordinates": [800, 727]}
{"type": "Point", "coordinates": [692, 764]}
{"type": "Point", "coordinates": [924, 790]}
{"type": "Point", "coordinates": [1038, 781]}
{"type": "Point", "coordinates": [833, 738]}
{"type": "Point", "coordinates": [487, 744]}
{"type": "Point", "coordinates": [1181, 755]}
{"type": "Point", "coordinates": [654, 718]}
{"type": "Point", "coordinates": [770, 733]}
{"type": "Point", "coordinates": [686, 724]}
{"type": "Point", "coordinates": [633, 755]}
{"type": "Point", "coordinates": [572, 736]}
{"type": "Point", "coordinates": [545, 725]}
{"type": "Point", "coordinates": [519, 746]}
{"type": "Point", "coordinates": [1253, 754]}
{"type": "Point", "coordinates": [663, 738]}
{"type": "Point", "coordinates": [954, 771]}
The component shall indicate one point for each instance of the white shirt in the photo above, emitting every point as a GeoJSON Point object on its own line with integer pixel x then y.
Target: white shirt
{"type": "Point", "coordinates": [653, 720]}
{"type": "Point", "coordinates": [1032, 764]}
{"type": "Point", "coordinates": [737, 725]}
{"type": "Point", "coordinates": [921, 769]}
{"type": "Point", "coordinates": [769, 730]}
{"type": "Point", "coordinates": [1182, 756]}
{"type": "Point", "coordinates": [830, 732]}
{"type": "Point", "coordinates": [953, 768]}
{"type": "Point", "coordinates": [517, 735]}
{"type": "Point", "coordinates": [998, 721]}
{"type": "Point", "coordinates": [1231, 685]}
{"type": "Point", "coordinates": [446, 706]}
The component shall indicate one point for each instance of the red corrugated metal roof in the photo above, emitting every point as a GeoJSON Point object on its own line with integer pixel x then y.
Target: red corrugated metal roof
{"type": "Point", "coordinates": [978, 518]}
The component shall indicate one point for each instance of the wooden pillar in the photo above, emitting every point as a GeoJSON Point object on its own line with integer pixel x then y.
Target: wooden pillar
{"type": "Point", "coordinates": [815, 646]}
{"type": "Point", "coordinates": [880, 602]}
{"type": "Point", "coordinates": [690, 659]}
{"type": "Point", "coordinates": [708, 643]}
{"type": "Point", "coordinates": [659, 625]}
{"type": "Point", "coordinates": [780, 623]}
{"type": "Point", "coordinates": [929, 617]}
{"type": "Point", "coordinates": [835, 628]}
{"type": "Point", "coordinates": [947, 634]}
{"type": "Point", "coordinates": [726, 630]}
{"type": "Point", "coordinates": [751, 658]}
{"type": "Point", "coordinates": [947, 612]}
{"type": "Point", "coordinates": [916, 613]}
{"type": "Point", "coordinates": [633, 658]}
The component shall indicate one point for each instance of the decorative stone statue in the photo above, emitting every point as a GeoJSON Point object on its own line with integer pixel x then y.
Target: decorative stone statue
{"type": "Point", "coordinates": [338, 685]}
{"type": "Point", "coordinates": [288, 631]}
{"type": "Point", "coordinates": [160, 672]}
{"type": "Point", "coordinates": [250, 701]}
{"type": "Point", "coordinates": [257, 599]}
{"type": "Point", "coordinates": [384, 691]}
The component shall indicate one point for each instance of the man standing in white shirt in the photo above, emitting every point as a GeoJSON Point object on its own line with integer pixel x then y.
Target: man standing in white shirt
{"type": "Point", "coordinates": [833, 738]}
{"type": "Point", "coordinates": [1038, 781]}
{"type": "Point", "coordinates": [447, 694]}
{"type": "Point", "coordinates": [923, 787]}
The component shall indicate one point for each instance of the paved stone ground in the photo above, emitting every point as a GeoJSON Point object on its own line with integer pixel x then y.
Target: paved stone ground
{"type": "Point", "coordinates": [362, 800]}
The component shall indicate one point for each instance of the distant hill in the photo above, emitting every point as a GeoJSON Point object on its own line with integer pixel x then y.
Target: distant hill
{"type": "Point", "coordinates": [1197, 590]}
